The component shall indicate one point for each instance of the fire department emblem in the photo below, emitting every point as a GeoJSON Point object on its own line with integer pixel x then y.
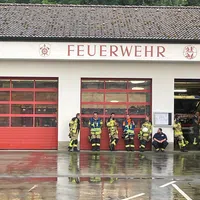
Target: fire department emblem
{"type": "Point", "coordinates": [190, 52]}
{"type": "Point", "coordinates": [44, 50]}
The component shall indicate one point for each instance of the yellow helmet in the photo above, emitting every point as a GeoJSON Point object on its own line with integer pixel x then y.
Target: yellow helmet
{"type": "Point", "coordinates": [144, 129]}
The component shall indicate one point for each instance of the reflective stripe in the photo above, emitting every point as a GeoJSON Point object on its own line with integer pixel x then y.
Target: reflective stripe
{"type": "Point", "coordinates": [71, 143]}
{"type": "Point", "coordinates": [93, 145]}
{"type": "Point", "coordinates": [98, 144]}
{"type": "Point", "coordinates": [127, 145]}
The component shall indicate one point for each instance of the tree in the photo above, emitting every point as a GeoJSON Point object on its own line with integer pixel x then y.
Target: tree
{"type": "Point", "coordinates": [193, 3]}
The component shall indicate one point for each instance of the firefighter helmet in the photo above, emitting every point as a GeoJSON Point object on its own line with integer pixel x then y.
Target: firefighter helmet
{"type": "Point", "coordinates": [145, 130]}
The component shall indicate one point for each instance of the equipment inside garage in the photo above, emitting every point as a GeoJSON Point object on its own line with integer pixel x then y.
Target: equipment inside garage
{"type": "Point", "coordinates": [186, 103]}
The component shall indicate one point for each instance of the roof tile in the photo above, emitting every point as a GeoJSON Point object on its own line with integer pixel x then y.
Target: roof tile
{"type": "Point", "coordinates": [110, 22]}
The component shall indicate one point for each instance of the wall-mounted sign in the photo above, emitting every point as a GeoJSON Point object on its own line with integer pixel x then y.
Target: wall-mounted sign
{"type": "Point", "coordinates": [99, 51]}
{"type": "Point", "coordinates": [162, 119]}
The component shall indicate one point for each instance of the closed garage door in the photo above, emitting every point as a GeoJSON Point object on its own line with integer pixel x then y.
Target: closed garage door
{"type": "Point", "coordinates": [28, 113]}
{"type": "Point", "coordinates": [120, 96]}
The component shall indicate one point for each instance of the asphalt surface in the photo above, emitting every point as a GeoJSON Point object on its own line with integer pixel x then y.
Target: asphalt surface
{"type": "Point", "coordinates": [99, 176]}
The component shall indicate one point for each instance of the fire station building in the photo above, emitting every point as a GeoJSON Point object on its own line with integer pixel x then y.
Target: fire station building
{"type": "Point", "coordinates": [58, 60]}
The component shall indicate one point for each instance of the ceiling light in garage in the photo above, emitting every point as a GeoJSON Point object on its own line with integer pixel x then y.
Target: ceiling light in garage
{"type": "Point", "coordinates": [137, 88]}
{"type": "Point", "coordinates": [180, 90]}
{"type": "Point", "coordinates": [137, 82]}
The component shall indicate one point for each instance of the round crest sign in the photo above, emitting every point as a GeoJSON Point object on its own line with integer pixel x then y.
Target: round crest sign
{"type": "Point", "coordinates": [44, 50]}
{"type": "Point", "coordinates": [190, 52]}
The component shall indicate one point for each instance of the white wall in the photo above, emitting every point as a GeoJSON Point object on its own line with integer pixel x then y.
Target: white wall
{"type": "Point", "coordinates": [70, 73]}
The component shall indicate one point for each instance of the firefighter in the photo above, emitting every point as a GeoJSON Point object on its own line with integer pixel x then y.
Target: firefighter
{"type": "Point", "coordinates": [95, 125]}
{"type": "Point", "coordinates": [128, 133]}
{"type": "Point", "coordinates": [144, 135]}
{"type": "Point", "coordinates": [178, 134]}
{"type": "Point", "coordinates": [195, 126]}
{"type": "Point", "coordinates": [74, 129]}
{"type": "Point", "coordinates": [113, 132]}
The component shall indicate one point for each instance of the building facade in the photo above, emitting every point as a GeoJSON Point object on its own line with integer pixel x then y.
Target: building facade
{"type": "Point", "coordinates": [49, 75]}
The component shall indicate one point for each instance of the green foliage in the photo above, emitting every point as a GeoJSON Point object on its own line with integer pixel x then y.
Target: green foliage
{"type": "Point", "coordinates": [22, 1]}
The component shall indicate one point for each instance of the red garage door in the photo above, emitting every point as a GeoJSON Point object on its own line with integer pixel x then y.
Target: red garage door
{"type": "Point", "coordinates": [28, 113]}
{"type": "Point", "coordinates": [119, 96]}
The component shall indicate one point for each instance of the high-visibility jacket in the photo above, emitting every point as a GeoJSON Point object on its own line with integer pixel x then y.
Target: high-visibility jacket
{"type": "Point", "coordinates": [177, 128]}
{"type": "Point", "coordinates": [128, 127]}
{"type": "Point", "coordinates": [147, 125]}
{"type": "Point", "coordinates": [95, 126]}
{"type": "Point", "coordinates": [112, 126]}
{"type": "Point", "coordinates": [74, 125]}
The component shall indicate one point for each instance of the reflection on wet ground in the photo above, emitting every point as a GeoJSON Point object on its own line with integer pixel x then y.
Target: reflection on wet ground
{"type": "Point", "coordinates": [103, 176]}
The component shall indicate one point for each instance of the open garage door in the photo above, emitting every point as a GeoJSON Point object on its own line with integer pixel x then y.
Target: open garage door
{"type": "Point", "coordinates": [28, 113]}
{"type": "Point", "coordinates": [186, 103]}
{"type": "Point", "coordinates": [114, 95]}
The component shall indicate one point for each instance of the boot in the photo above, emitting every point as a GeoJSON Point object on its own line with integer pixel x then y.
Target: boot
{"type": "Point", "coordinates": [98, 142]}
{"type": "Point", "coordinates": [141, 149]}
{"type": "Point", "coordinates": [157, 150]}
{"type": "Point", "coordinates": [70, 149]}
{"type": "Point", "coordinates": [183, 149]}
{"type": "Point", "coordinates": [131, 148]}
{"type": "Point", "coordinates": [93, 148]}
{"type": "Point", "coordinates": [162, 150]}
{"type": "Point", "coordinates": [195, 141]}
{"type": "Point", "coordinates": [112, 147]}
{"type": "Point", "coordinates": [75, 146]}
{"type": "Point", "coordinates": [76, 149]}
{"type": "Point", "coordinates": [97, 148]}
{"type": "Point", "coordinates": [127, 149]}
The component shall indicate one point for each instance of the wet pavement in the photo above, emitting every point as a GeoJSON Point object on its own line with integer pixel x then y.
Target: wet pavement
{"type": "Point", "coordinates": [99, 176]}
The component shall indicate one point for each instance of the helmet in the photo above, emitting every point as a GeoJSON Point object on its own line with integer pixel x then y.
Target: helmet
{"type": "Point", "coordinates": [145, 129]}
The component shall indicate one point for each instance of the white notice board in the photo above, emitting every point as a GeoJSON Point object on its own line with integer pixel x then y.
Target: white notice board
{"type": "Point", "coordinates": [162, 119]}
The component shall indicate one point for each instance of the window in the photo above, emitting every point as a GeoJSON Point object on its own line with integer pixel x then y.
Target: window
{"type": "Point", "coordinates": [4, 96]}
{"type": "Point", "coordinates": [4, 108]}
{"type": "Point", "coordinates": [28, 102]}
{"type": "Point", "coordinates": [22, 96]}
{"type": "Point", "coordinates": [21, 109]}
{"type": "Point", "coordinates": [93, 97]}
{"type": "Point", "coordinates": [119, 96]}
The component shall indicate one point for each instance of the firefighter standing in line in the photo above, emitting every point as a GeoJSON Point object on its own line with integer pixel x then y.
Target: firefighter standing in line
{"type": "Point", "coordinates": [74, 129]}
{"type": "Point", "coordinates": [145, 134]}
{"type": "Point", "coordinates": [179, 134]}
{"type": "Point", "coordinates": [128, 133]}
{"type": "Point", "coordinates": [113, 132]}
{"type": "Point", "coordinates": [95, 125]}
{"type": "Point", "coordinates": [195, 125]}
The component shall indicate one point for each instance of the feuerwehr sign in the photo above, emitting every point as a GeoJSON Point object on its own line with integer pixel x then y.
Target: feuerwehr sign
{"type": "Point", "coordinates": [99, 51]}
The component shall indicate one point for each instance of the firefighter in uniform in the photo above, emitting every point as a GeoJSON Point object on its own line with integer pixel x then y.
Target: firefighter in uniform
{"type": "Point", "coordinates": [144, 135]}
{"type": "Point", "coordinates": [195, 126]}
{"type": "Point", "coordinates": [128, 133]}
{"type": "Point", "coordinates": [113, 132]}
{"type": "Point", "coordinates": [95, 125]}
{"type": "Point", "coordinates": [178, 134]}
{"type": "Point", "coordinates": [74, 129]}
